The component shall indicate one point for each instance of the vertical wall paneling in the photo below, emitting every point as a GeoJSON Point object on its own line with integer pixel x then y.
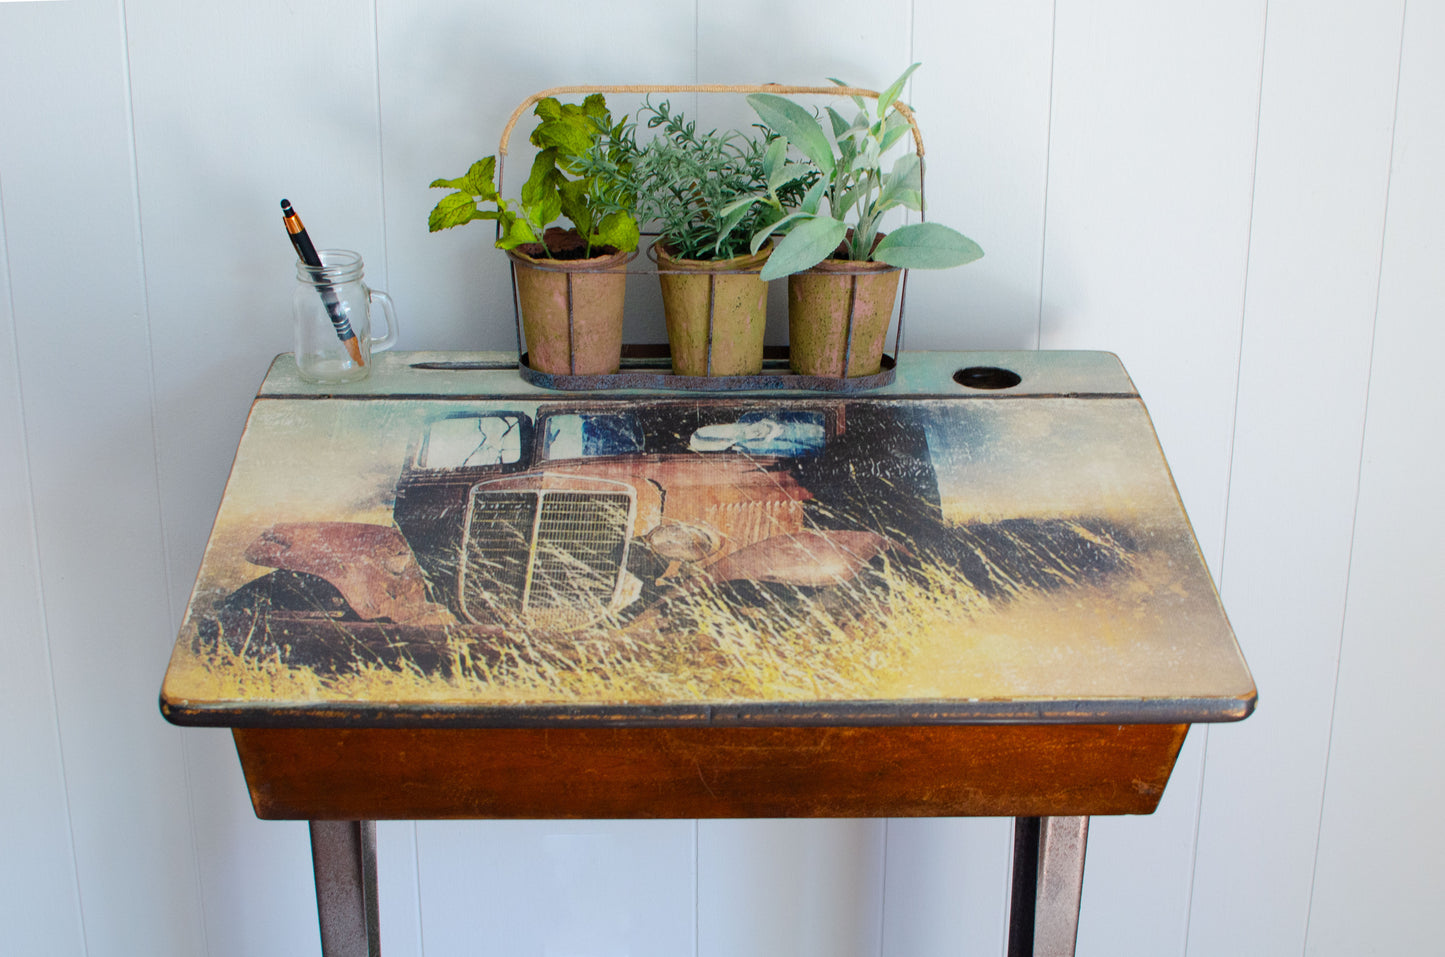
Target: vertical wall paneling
{"type": "Point", "coordinates": [450, 78]}
{"type": "Point", "coordinates": [256, 876]}
{"type": "Point", "coordinates": [802, 888]}
{"type": "Point", "coordinates": [446, 91]}
{"type": "Point", "coordinates": [279, 100]}
{"type": "Point", "coordinates": [945, 890]}
{"type": "Point", "coordinates": [757, 41]}
{"type": "Point", "coordinates": [556, 888]}
{"type": "Point", "coordinates": [80, 333]}
{"type": "Point", "coordinates": [861, 41]}
{"type": "Point", "coordinates": [39, 907]}
{"type": "Point", "coordinates": [792, 887]}
{"type": "Point", "coordinates": [1377, 876]}
{"type": "Point", "coordinates": [982, 100]}
{"type": "Point", "coordinates": [982, 97]}
{"type": "Point", "coordinates": [1137, 870]}
{"type": "Point", "coordinates": [398, 889]}
{"type": "Point", "coordinates": [1326, 107]}
{"type": "Point", "coordinates": [235, 107]}
{"type": "Point", "coordinates": [1199, 188]}
{"type": "Point", "coordinates": [1151, 156]}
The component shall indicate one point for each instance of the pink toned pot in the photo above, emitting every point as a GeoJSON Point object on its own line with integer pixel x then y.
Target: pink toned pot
{"type": "Point", "coordinates": [716, 313]}
{"type": "Point", "coordinates": [838, 316]}
{"type": "Point", "coordinates": [572, 311]}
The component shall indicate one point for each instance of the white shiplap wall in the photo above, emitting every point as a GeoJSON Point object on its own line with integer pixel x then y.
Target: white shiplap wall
{"type": "Point", "coordinates": [1241, 199]}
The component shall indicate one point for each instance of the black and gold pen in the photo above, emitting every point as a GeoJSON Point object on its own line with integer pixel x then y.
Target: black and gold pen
{"type": "Point", "coordinates": [307, 251]}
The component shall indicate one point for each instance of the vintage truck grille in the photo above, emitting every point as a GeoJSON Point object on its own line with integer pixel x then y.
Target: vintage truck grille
{"type": "Point", "coordinates": [547, 558]}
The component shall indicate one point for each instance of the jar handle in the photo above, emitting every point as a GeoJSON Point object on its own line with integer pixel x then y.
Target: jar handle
{"type": "Point", "coordinates": [382, 343]}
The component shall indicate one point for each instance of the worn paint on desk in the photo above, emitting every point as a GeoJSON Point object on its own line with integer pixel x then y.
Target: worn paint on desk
{"type": "Point", "coordinates": [427, 556]}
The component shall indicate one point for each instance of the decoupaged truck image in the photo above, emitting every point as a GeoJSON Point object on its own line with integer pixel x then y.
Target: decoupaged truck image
{"type": "Point", "coordinates": [818, 542]}
{"type": "Point", "coordinates": [581, 514]}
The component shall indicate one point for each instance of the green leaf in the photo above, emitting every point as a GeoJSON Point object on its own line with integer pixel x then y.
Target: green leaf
{"type": "Point", "coordinates": [743, 203]}
{"type": "Point", "coordinates": [567, 135]}
{"type": "Point", "coordinates": [542, 179]}
{"type": "Point", "coordinates": [814, 197]}
{"type": "Point", "coordinates": [793, 172]}
{"type": "Point", "coordinates": [871, 157]}
{"type": "Point", "coordinates": [595, 106]}
{"type": "Point", "coordinates": [728, 224]}
{"type": "Point", "coordinates": [776, 226]}
{"type": "Point", "coordinates": [549, 108]}
{"type": "Point", "coordinates": [452, 210]}
{"type": "Point", "coordinates": [798, 125]}
{"type": "Point", "coordinates": [461, 183]}
{"type": "Point", "coordinates": [515, 233]}
{"type": "Point", "coordinates": [479, 178]}
{"type": "Point", "coordinates": [572, 202]}
{"type": "Point", "coordinates": [618, 229]}
{"type": "Point", "coordinates": [909, 199]}
{"type": "Point", "coordinates": [774, 157]}
{"type": "Point", "coordinates": [886, 98]}
{"type": "Point", "coordinates": [906, 177]}
{"type": "Point", "coordinates": [805, 247]}
{"type": "Point", "coordinates": [896, 125]}
{"type": "Point", "coordinates": [848, 201]}
{"type": "Point", "coordinates": [840, 125]}
{"type": "Point", "coordinates": [547, 211]}
{"type": "Point", "coordinates": [926, 246]}
{"type": "Point", "coordinates": [856, 99]}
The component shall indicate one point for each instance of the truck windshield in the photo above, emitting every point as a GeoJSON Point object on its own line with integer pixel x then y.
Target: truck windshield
{"type": "Point", "coordinates": [471, 440]}
{"type": "Point", "coordinates": [782, 433]}
{"type": "Point", "coordinates": [575, 436]}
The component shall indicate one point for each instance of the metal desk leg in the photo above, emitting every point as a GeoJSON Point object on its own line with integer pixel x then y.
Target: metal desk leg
{"type": "Point", "coordinates": [1048, 880]}
{"type": "Point", "coordinates": [344, 856]}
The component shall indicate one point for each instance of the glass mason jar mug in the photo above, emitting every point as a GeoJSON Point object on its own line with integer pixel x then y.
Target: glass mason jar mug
{"type": "Point", "coordinates": [332, 307]}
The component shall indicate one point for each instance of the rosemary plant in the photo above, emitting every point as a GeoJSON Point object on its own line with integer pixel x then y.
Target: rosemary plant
{"type": "Point", "coordinates": [705, 194]}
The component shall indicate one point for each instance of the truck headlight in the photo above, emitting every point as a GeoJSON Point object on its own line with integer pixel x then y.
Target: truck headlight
{"type": "Point", "coordinates": [683, 541]}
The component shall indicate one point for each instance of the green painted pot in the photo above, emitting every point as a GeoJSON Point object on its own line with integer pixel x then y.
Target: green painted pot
{"type": "Point", "coordinates": [572, 311]}
{"type": "Point", "coordinates": [838, 316]}
{"type": "Point", "coordinates": [716, 313]}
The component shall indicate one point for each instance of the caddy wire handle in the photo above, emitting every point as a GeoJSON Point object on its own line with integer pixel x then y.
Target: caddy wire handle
{"type": "Point", "coordinates": [647, 88]}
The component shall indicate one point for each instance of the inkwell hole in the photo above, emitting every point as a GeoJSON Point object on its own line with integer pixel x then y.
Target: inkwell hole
{"type": "Point", "coordinates": [986, 377]}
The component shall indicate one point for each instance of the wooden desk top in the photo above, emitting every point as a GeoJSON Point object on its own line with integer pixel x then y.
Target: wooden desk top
{"type": "Point", "coordinates": [451, 547]}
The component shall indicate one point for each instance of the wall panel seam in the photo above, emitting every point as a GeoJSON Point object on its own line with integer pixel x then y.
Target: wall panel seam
{"type": "Point", "coordinates": [1048, 157]}
{"type": "Point", "coordinates": [1359, 472]}
{"type": "Point", "coordinates": [912, 32]}
{"type": "Point", "coordinates": [1194, 838]}
{"type": "Point", "coordinates": [1244, 292]}
{"type": "Point", "coordinates": [696, 889]}
{"type": "Point", "coordinates": [1233, 434]}
{"type": "Point", "coordinates": [416, 864]}
{"type": "Point", "coordinates": [29, 497]}
{"type": "Point", "coordinates": [139, 225]}
{"type": "Point", "coordinates": [385, 281]}
{"type": "Point", "coordinates": [137, 219]}
{"type": "Point", "coordinates": [883, 888]}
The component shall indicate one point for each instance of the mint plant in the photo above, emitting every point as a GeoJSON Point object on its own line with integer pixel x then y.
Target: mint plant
{"type": "Point", "coordinates": [846, 204]}
{"type": "Point", "coordinates": [559, 185]}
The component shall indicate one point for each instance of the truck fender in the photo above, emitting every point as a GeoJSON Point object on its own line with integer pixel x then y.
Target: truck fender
{"type": "Point", "coordinates": [812, 558]}
{"type": "Point", "coordinates": [371, 565]}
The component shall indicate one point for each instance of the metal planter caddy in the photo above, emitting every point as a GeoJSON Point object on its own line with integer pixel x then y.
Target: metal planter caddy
{"type": "Point", "coordinates": [641, 367]}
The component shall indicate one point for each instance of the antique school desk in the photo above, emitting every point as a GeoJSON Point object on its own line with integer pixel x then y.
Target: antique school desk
{"type": "Point", "coordinates": [444, 592]}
